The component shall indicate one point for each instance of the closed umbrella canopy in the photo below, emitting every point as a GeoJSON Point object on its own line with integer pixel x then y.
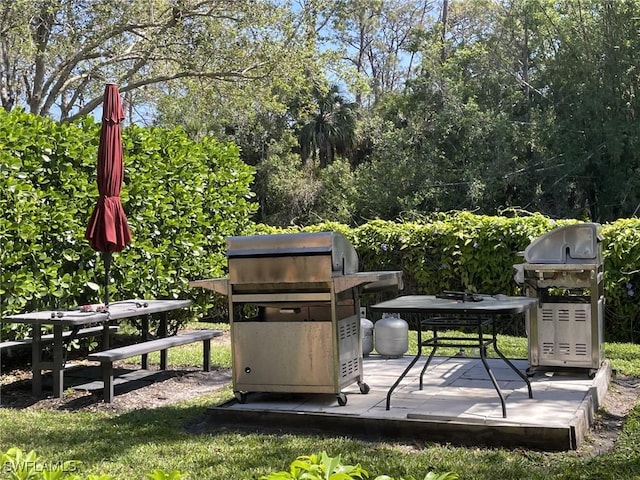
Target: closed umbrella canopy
{"type": "Point", "coordinates": [108, 230]}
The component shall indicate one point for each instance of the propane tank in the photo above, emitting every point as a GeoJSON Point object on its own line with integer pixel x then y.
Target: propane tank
{"type": "Point", "coordinates": [391, 336]}
{"type": "Point", "coordinates": [366, 331]}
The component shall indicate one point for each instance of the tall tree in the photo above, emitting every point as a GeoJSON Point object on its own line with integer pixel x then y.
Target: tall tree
{"type": "Point", "coordinates": [464, 134]}
{"type": "Point", "coordinates": [376, 42]}
{"type": "Point", "coordinates": [331, 129]}
{"type": "Point", "coordinates": [56, 55]}
{"type": "Point", "coordinates": [590, 79]}
{"type": "Point", "coordinates": [259, 114]}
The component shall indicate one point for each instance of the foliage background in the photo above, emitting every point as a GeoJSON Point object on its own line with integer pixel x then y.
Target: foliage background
{"type": "Point", "coordinates": [183, 198]}
{"type": "Point", "coordinates": [362, 109]}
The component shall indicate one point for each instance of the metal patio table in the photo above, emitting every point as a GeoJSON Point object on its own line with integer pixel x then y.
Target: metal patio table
{"type": "Point", "coordinates": [73, 320]}
{"type": "Point", "coordinates": [454, 312]}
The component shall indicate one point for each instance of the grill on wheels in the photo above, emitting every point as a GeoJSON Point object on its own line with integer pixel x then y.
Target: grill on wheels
{"type": "Point", "coordinates": [564, 270]}
{"type": "Point", "coordinates": [294, 312]}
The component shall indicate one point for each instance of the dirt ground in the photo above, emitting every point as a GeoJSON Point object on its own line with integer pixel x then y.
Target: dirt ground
{"type": "Point", "coordinates": [175, 385]}
{"type": "Point", "coordinates": [621, 397]}
{"type": "Point", "coordinates": [169, 386]}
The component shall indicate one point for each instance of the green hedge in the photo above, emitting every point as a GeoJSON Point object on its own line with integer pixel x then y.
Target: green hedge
{"type": "Point", "coordinates": [476, 253]}
{"type": "Point", "coordinates": [182, 199]}
{"type": "Point", "coordinates": [622, 280]}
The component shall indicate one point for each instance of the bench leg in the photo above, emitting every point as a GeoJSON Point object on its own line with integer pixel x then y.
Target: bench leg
{"type": "Point", "coordinates": [164, 322]}
{"type": "Point", "coordinates": [145, 337]}
{"type": "Point", "coordinates": [163, 359]}
{"type": "Point", "coordinates": [107, 379]}
{"type": "Point", "coordinates": [206, 349]}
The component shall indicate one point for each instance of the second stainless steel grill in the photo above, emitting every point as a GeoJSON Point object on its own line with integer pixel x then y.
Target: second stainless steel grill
{"type": "Point", "coordinates": [564, 269]}
{"type": "Point", "coordinates": [294, 312]}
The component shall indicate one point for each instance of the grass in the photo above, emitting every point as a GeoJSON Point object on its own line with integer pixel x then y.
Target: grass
{"type": "Point", "coordinates": [129, 444]}
{"type": "Point", "coordinates": [189, 355]}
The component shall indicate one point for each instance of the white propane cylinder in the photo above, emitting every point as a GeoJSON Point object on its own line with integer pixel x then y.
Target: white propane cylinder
{"type": "Point", "coordinates": [391, 336]}
{"type": "Point", "coordinates": [366, 331]}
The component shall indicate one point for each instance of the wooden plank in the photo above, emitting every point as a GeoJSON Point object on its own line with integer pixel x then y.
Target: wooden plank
{"type": "Point", "coordinates": [136, 349]}
{"type": "Point", "coordinates": [48, 338]}
{"type": "Point", "coordinates": [109, 356]}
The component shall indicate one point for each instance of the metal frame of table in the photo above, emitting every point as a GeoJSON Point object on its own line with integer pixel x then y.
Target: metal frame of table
{"type": "Point", "coordinates": [74, 320]}
{"type": "Point", "coordinates": [454, 315]}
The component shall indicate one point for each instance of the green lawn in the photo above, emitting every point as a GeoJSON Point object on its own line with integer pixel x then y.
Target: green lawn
{"type": "Point", "coordinates": [130, 444]}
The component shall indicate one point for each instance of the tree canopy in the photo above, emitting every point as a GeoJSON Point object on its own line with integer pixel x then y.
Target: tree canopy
{"type": "Point", "coordinates": [58, 54]}
{"type": "Point", "coordinates": [431, 106]}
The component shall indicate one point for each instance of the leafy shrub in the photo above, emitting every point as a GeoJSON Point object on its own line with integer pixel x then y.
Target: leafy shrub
{"type": "Point", "coordinates": [621, 249]}
{"type": "Point", "coordinates": [182, 199]}
{"type": "Point", "coordinates": [324, 467]}
{"type": "Point", "coordinates": [460, 251]}
{"type": "Point", "coordinates": [476, 253]}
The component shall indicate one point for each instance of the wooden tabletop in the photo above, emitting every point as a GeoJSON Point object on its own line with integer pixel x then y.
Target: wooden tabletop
{"type": "Point", "coordinates": [117, 310]}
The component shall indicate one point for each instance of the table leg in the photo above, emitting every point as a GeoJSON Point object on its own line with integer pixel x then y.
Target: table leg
{"type": "Point", "coordinates": [406, 370]}
{"type": "Point", "coordinates": [58, 361]}
{"type": "Point", "coordinates": [478, 325]}
{"type": "Point", "coordinates": [36, 359]}
{"type": "Point", "coordinates": [431, 355]}
{"type": "Point", "coordinates": [483, 357]}
{"type": "Point", "coordinates": [508, 362]}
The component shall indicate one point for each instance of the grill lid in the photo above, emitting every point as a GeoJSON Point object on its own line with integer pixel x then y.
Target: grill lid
{"type": "Point", "coordinates": [344, 259]}
{"type": "Point", "coordinates": [569, 244]}
{"type": "Point", "coordinates": [295, 267]}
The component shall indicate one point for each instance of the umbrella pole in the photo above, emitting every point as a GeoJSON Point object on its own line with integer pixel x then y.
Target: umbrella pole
{"type": "Point", "coordinates": [106, 258]}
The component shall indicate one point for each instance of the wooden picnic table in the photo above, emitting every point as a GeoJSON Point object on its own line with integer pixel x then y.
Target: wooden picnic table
{"type": "Point", "coordinates": [68, 323]}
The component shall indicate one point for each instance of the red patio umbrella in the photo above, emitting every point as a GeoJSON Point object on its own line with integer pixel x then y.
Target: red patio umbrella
{"type": "Point", "coordinates": [108, 230]}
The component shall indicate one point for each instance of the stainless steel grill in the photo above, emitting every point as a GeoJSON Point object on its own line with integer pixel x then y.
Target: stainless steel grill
{"type": "Point", "coordinates": [303, 294]}
{"type": "Point", "coordinates": [564, 270]}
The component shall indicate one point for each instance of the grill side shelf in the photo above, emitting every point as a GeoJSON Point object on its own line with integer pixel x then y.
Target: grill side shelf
{"type": "Point", "coordinates": [564, 275]}
{"type": "Point", "coordinates": [219, 285]}
{"type": "Point", "coordinates": [370, 281]}
{"type": "Point", "coordinates": [559, 267]}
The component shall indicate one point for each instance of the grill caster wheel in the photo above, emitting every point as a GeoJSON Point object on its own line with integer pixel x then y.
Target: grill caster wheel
{"type": "Point", "coordinates": [241, 397]}
{"type": "Point", "coordinates": [364, 388]}
{"type": "Point", "coordinates": [342, 399]}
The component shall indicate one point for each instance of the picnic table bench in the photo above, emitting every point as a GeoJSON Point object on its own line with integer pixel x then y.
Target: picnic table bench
{"type": "Point", "coordinates": [107, 357]}
{"type": "Point", "coordinates": [68, 336]}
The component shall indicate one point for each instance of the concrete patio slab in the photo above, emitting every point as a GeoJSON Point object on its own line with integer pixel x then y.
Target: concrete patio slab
{"type": "Point", "coordinates": [457, 405]}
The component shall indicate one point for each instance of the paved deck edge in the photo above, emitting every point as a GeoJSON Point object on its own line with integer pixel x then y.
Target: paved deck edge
{"type": "Point", "coordinates": [586, 413]}
{"type": "Point", "coordinates": [455, 431]}
{"type": "Point", "coordinates": [378, 429]}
